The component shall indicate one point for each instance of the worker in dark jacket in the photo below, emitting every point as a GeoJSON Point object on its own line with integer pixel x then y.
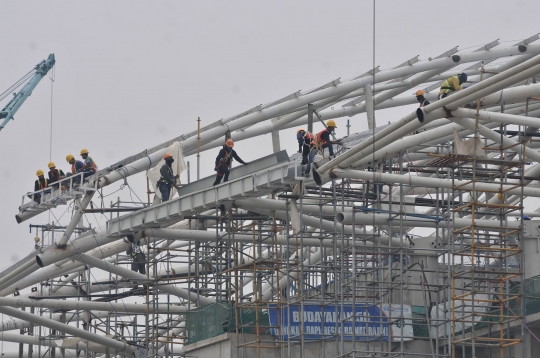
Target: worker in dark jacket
{"type": "Point", "coordinates": [224, 161]}
{"type": "Point", "coordinates": [452, 84]}
{"type": "Point", "coordinates": [137, 254]}
{"type": "Point", "coordinates": [421, 99]}
{"type": "Point", "coordinates": [55, 174]}
{"type": "Point", "coordinates": [40, 184]}
{"type": "Point", "coordinates": [168, 179]}
{"type": "Point", "coordinates": [320, 142]}
{"type": "Point", "coordinates": [304, 143]}
{"type": "Point", "coordinates": [76, 166]}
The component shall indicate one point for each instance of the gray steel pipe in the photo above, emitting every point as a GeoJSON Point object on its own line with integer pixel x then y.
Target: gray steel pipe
{"type": "Point", "coordinates": [65, 328]}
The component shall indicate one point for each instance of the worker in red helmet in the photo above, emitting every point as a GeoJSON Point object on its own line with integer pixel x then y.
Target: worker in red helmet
{"type": "Point", "coordinates": [168, 179]}
{"type": "Point", "coordinates": [224, 161]}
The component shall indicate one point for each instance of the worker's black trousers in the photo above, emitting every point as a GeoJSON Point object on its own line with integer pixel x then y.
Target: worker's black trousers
{"type": "Point", "coordinates": [223, 171]}
{"type": "Point", "coordinates": [139, 264]}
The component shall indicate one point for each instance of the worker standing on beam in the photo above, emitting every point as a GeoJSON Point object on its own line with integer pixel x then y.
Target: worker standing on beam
{"type": "Point", "coordinates": [322, 141]}
{"type": "Point", "coordinates": [55, 174]}
{"type": "Point", "coordinates": [421, 99]}
{"type": "Point", "coordinates": [168, 179]}
{"type": "Point", "coordinates": [40, 184]}
{"type": "Point", "coordinates": [224, 161]}
{"type": "Point", "coordinates": [452, 84]}
{"type": "Point", "coordinates": [304, 143]}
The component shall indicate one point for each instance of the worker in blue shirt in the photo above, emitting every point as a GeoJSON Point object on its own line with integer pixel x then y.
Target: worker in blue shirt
{"type": "Point", "coordinates": [76, 166]}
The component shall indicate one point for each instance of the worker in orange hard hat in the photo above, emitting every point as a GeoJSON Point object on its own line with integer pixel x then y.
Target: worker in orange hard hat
{"type": "Point", "coordinates": [168, 179]}
{"type": "Point", "coordinates": [421, 99]}
{"type": "Point", "coordinates": [224, 161]}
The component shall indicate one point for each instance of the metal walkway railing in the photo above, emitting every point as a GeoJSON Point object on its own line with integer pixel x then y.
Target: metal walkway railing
{"type": "Point", "coordinates": [58, 193]}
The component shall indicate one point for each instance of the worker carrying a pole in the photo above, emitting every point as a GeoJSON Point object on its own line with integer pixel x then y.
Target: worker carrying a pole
{"type": "Point", "coordinates": [421, 99]}
{"type": "Point", "coordinates": [224, 161]}
{"type": "Point", "coordinates": [322, 141]}
{"type": "Point", "coordinates": [304, 143]}
{"type": "Point", "coordinates": [139, 258]}
{"type": "Point", "coordinates": [168, 179]}
{"type": "Point", "coordinates": [40, 184]}
{"type": "Point", "coordinates": [452, 84]}
{"type": "Point", "coordinates": [55, 174]}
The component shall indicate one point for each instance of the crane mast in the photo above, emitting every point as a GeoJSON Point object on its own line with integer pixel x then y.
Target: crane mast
{"type": "Point", "coordinates": [16, 102]}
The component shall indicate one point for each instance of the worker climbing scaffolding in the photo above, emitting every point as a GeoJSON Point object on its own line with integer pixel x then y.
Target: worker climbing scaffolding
{"type": "Point", "coordinates": [320, 142]}
{"type": "Point", "coordinates": [137, 255]}
{"type": "Point", "coordinates": [224, 161]}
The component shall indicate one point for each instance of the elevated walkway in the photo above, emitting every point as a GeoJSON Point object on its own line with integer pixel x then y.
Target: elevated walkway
{"type": "Point", "coordinates": [56, 194]}
{"type": "Point", "coordinates": [260, 177]}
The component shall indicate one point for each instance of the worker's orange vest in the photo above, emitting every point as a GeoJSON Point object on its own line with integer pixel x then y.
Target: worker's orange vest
{"type": "Point", "coordinates": [43, 185]}
{"type": "Point", "coordinates": [73, 170]}
{"type": "Point", "coordinates": [310, 136]}
{"type": "Point", "coordinates": [94, 166]}
{"type": "Point", "coordinates": [319, 137]}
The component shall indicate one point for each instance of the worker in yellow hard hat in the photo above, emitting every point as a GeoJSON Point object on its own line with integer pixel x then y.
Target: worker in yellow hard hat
{"type": "Point", "coordinates": [167, 179]}
{"type": "Point", "coordinates": [77, 167]}
{"type": "Point", "coordinates": [55, 174]}
{"type": "Point", "coordinates": [224, 161]}
{"type": "Point", "coordinates": [421, 99]}
{"type": "Point", "coordinates": [90, 165]}
{"type": "Point", "coordinates": [321, 142]}
{"type": "Point", "coordinates": [40, 186]}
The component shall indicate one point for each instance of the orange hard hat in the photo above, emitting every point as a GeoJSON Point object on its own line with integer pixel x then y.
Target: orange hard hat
{"type": "Point", "coordinates": [229, 143]}
{"type": "Point", "coordinates": [167, 155]}
{"type": "Point", "coordinates": [300, 129]}
{"type": "Point", "coordinates": [420, 93]}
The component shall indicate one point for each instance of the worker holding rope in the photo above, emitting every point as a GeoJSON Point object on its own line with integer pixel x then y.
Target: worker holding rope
{"type": "Point", "coordinates": [224, 161]}
{"type": "Point", "coordinates": [320, 142]}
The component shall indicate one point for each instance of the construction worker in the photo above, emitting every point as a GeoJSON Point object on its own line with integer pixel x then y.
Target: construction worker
{"type": "Point", "coordinates": [304, 143]}
{"type": "Point", "coordinates": [89, 163]}
{"type": "Point", "coordinates": [224, 161]}
{"type": "Point", "coordinates": [139, 258]}
{"type": "Point", "coordinates": [322, 141]}
{"type": "Point", "coordinates": [452, 84]}
{"type": "Point", "coordinates": [40, 184]}
{"type": "Point", "coordinates": [421, 99]}
{"type": "Point", "coordinates": [55, 174]}
{"type": "Point", "coordinates": [76, 166]}
{"type": "Point", "coordinates": [168, 179]}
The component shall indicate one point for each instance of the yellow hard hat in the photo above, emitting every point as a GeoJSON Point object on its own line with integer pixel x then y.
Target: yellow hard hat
{"type": "Point", "coordinates": [69, 157]}
{"type": "Point", "coordinates": [51, 164]}
{"type": "Point", "coordinates": [300, 129]}
{"type": "Point", "coordinates": [39, 172]}
{"type": "Point", "coordinates": [84, 151]}
{"type": "Point", "coordinates": [419, 93]}
{"type": "Point", "coordinates": [331, 123]}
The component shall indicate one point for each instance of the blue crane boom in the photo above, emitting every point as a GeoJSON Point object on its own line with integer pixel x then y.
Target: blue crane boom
{"type": "Point", "coordinates": [16, 102]}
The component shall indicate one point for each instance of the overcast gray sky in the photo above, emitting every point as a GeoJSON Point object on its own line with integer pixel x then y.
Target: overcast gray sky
{"type": "Point", "coordinates": [132, 74]}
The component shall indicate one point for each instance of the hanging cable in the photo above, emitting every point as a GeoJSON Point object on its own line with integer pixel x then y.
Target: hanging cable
{"type": "Point", "coordinates": [17, 84]}
{"type": "Point", "coordinates": [52, 77]}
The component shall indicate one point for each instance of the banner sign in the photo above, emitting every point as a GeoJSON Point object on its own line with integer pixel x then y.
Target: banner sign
{"type": "Point", "coordinates": [362, 321]}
